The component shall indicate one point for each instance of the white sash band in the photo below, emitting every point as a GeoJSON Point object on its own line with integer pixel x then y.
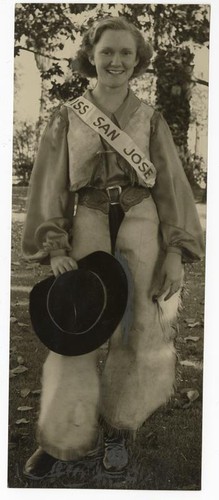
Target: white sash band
{"type": "Point", "coordinates": [116, 137]}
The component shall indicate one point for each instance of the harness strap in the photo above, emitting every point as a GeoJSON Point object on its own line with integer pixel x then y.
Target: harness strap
{"type": "Point", "coordinates": [116, 216]}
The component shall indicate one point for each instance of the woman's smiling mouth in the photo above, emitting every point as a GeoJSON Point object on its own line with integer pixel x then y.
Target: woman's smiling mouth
{"type": "Point", "coordinates": [115, 71]}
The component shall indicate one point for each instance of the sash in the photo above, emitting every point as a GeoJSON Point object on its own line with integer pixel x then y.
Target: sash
{"type": "Point", "coordinates": [116, 137]}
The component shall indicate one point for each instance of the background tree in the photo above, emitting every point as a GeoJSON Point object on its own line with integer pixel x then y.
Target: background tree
{"type": "Point", "coordinates": [23, 152]}
{"type": "Point", "coordinates": [175, 27]}
{"type": "Point", "coordinates": [43, 29]}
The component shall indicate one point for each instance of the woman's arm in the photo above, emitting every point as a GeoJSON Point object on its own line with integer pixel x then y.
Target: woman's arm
{"type": "Point", "coordinates": [179, 221]}
{"type": "Point", "coordinates": [182, 235]}
{"type": "Point", "coordinates": [48, 221]}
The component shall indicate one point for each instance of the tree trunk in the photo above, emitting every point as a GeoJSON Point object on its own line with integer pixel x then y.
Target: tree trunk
{"type": "Point", "coordinates": [43, 65]}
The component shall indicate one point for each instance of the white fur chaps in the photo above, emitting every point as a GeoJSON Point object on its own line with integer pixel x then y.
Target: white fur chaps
{"type": "Point", "coordinates": [139, 373]}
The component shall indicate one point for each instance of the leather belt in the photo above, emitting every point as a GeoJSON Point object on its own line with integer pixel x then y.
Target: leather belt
{"type": "Point", "coordinates": [102, 199]}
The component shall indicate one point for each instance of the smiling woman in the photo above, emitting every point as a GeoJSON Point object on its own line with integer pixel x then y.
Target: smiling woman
{"type": "Point", "coordinates": [114, 58]}
{"type": "Point", "coordinates": [115, 155]}
{"type": "Point", "coordinates": [94, 35]}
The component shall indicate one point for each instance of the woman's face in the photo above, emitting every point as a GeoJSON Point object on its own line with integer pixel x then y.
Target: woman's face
{"type": "Point", "coordinates": [115, 57]}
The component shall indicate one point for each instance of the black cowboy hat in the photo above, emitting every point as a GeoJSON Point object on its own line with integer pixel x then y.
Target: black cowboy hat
{"type": "Point", "coordinates": [77, 312]}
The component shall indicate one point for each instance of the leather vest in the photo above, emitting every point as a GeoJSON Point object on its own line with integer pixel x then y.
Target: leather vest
{"type": "Point", "coordinates": [84, 144]}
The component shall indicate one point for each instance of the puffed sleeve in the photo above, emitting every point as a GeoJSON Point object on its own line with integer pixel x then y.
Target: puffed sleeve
{"type": "Point", "coordinates": [179, 222]}
{"type": "Point", "coordinates": [48, 223]}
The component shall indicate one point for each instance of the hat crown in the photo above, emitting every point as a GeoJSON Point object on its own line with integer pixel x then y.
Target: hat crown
{"type": "Point", "coordinates": [79, 310]}
{"type": "Point", "coordinates": [76, 301]}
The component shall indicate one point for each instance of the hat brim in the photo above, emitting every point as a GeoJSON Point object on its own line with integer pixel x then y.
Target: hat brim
{"type": "Point", "coordinates": [114, 278]}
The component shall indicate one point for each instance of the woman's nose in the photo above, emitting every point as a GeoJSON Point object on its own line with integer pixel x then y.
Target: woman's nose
{"type": "Point", "coordinates": [116, 59]}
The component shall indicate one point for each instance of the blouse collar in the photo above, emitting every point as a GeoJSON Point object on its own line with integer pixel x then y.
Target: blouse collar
{"type": "Point", "coordinates": [125, 110]}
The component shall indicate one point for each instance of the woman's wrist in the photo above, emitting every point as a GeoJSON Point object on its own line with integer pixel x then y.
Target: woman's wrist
{"type": "Point", "coordinates": [58, 252]}
{"type": "Point", "coordinates": [177, 251]}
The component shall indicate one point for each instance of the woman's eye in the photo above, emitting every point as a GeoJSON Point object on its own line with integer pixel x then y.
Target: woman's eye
{"type": "Point", "coordinates": [126, 52]}
{"type": "Point", "coordinates": [109, 52]}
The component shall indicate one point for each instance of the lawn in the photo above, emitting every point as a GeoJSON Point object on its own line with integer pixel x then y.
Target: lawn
{"type": "Point", "coordinates": [166, 454]}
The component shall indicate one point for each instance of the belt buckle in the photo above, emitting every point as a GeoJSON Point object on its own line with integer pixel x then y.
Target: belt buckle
{"type": "Point", "coordinates": [109, 190]}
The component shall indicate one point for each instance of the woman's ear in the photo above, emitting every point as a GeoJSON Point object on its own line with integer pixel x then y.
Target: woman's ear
{"type": "Point", "coordinates": [136, 61]}
{"type": "Point", "coordinates": [91, 59]}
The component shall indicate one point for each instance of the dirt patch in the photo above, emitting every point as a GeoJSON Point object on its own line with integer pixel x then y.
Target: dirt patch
{"type": "Point", "coordinates": [166, 454]}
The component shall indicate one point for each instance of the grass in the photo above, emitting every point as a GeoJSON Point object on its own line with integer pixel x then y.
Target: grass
{"type": "Point", "coordinates": [166, 454]}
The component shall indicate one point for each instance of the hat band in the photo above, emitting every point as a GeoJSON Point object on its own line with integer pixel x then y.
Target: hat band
{"type": "Point", "coordinates": [93, 324]}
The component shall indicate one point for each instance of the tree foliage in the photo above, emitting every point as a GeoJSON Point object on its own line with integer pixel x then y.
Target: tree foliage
{"type": "Point", "coordinates": [39, 26]}
{"type": "Point", "coordinates": [174, 89]}
{"type": "Point", "coordinates": [175, 26]}
{"type": "Point", "coordinates": [43, 29]}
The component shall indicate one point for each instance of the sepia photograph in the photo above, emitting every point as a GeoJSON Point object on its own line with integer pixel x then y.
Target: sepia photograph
{"type": "Point", "coordinates": [109, 197]}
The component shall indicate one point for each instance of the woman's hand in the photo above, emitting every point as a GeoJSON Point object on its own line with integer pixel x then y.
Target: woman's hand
{"type": "Point", "coordinates": [170, 276]}
{"type": "Point", "coordinates": [62, 263]}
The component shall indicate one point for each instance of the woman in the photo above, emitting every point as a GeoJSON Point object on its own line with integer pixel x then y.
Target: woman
{"type": "Point", "coordinates": [136, 202]}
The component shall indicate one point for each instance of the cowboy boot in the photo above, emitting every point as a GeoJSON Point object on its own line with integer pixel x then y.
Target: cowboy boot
{"type": "Point", "coordinates": [39, 465]}
{"type": "Point", "coordinates": [116, 450]}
